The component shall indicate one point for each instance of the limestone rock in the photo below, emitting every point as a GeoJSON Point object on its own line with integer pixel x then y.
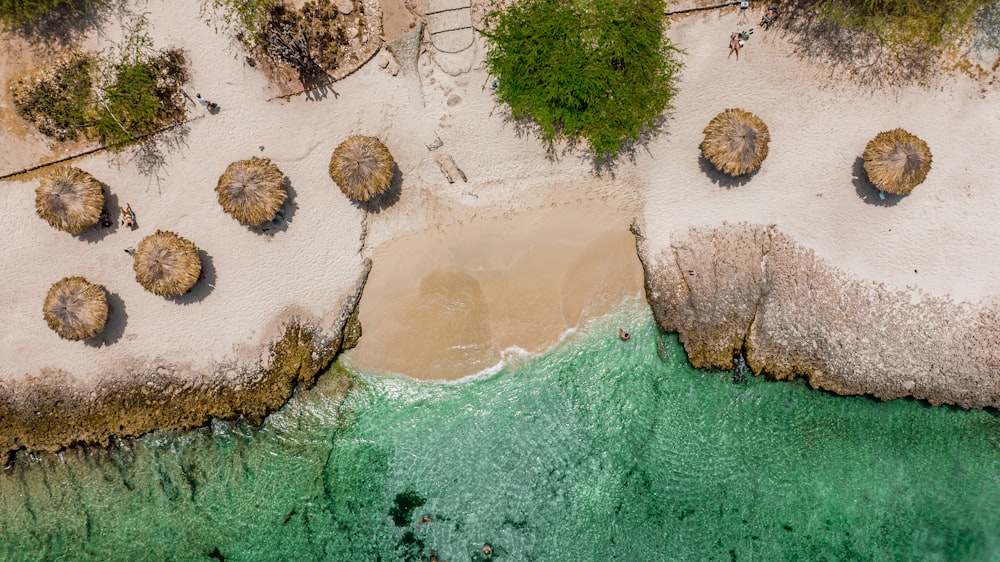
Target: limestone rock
{"type": "Point", "coordinates": [345, 6]}
{"type": "Point", "coordinates": [753, 290]}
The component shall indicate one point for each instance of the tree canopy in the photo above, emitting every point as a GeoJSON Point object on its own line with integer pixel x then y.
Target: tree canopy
{"type": "Point", "coordinates": [597, 70]}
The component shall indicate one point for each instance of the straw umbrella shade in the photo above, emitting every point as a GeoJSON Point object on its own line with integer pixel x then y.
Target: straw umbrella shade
{"type": "Point", "coordinates": [897, 161]}
{"type": "Point", "coordinates": [75, 308]}
{"type": "Point", "coordinates": [166, 264]}
{"type": "Point", "coordinates": [736, 142]}
{"type": "Point", "coordinates": [69, 199]}
{"type": "Point", "coordinates": [252, 191]}
{"type": "Point", "coordinates": [362, 167]}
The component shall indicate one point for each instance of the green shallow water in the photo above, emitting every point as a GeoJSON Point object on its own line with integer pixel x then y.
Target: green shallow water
{"type": "Point", "coordinates": [601, 449]}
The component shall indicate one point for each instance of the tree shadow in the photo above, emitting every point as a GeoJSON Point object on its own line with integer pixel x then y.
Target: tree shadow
{"type": "Point", "coordinates": [284, 216]}
{"type": "Point", "coordinates": [859, 54]}
{"type": "Point", "coordinates": [114, 327]}
{"type": "Point", "coordinates": [387, 198]}
{"type": "Point", "coordinates": [722, 179]}
{"type": "Point", "coordinates": [317, 85]}
{"type": "Point", "coordinates": [109, 216]}
{"type": "Point", "coordinates": [867, 191]}
{"type": "Point", "coordinates": [150, 154]}
{"type": "Point", "coordinates": [606, 163]}
{"type": "Point", "coordinates": [203, 287]}
{"type": "Point", "coordinates": [68, 25]}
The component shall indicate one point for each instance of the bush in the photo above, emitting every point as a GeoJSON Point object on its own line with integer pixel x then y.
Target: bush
{"type": "Point", "coordinates": [245, 20]}
{"type": "Point", "coordinates": [599, 70]}
{"type": "Point", "coordinates": [59, 100]}
{"type": "Point", "coordinates": [905, 22]}
{"type": "Point", "coordinates": [140, 91]}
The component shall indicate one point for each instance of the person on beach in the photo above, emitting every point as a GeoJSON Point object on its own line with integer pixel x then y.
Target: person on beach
{"type": "Point", "coordinates": [130, 251]}
{"type": "Point", "coordinates": [128, 216]}
{"type": "Point", "coordinates": [623, 334]}
{"type": "Point", "coordinates": [212, 107]}
{"type": "Point", "coordinates": [769, 16]}
{"type": "Point", "coordinates": [734, 45]}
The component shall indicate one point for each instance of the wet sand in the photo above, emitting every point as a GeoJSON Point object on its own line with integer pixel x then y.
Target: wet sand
{"type": "Point", "coordinates": [447, 303]}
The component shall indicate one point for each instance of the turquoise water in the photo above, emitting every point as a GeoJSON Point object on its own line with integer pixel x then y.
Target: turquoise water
{"type": "Point", "coordinates": [599, 450]}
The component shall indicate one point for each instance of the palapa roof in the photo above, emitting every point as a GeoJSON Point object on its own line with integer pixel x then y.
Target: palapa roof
{"type": "Point", "coordinates": [362, 167]}
{"type": "Point", "coordinates": [736, 142]}
{"type": "Point", "coordinates": [75, 308]}
{"type": "Point", "coordinates": [252, 191]}
{"type": "Point", "coordinates": [897, 161]}
{"type": "Point", "coordinates": [69, 199]}
{"type": "Point", "coordinates": [166, 264]}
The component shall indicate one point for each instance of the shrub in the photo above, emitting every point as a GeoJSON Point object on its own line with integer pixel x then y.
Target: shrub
{"type": "Point", "coordinates": [905, 22]}
{"type": "Point", "coordinates": [140, 90]}
{"type": "Point", "coordinates": [58, 100]}
{"type": "Point", "coordinates": [599, 70]}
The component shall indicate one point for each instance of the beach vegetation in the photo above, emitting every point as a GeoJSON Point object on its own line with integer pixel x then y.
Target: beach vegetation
{"type": "Point", "coordinates": [58, 100]}
{"type": "Point", "coordinates": [905, 22]}
{"type": "Point", "coordinates": [244, 20]}
{"type": "Point", "coordinates": [261, 25]}
{"type": "Point", "coordinates": [119, 98]}
{"type": "Point", "coordinates": [139, 90]}
{"type": "Point", "coordinates": [599, 71]}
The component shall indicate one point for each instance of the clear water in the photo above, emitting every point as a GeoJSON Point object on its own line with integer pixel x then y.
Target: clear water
{"type": "Point", "coordinates": [600, 450]}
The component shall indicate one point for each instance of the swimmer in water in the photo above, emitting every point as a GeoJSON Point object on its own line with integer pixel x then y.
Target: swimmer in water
{"type": "Point", "coordinates": [487, 550]}
{"type": "Point", "coordinates": [424, 519]}
{"type": "Point", "coordinates": [623, 334]}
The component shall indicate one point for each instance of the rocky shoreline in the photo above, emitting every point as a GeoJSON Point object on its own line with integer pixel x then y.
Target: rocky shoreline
{"type": "Point", "coordinates": [50, 412]}
{"type": "Point", "coordinates": [750, 289]}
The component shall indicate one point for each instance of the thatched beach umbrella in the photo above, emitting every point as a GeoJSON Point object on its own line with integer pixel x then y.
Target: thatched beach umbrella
{"type": "Point", "coordinates": [736, 142]}
{"type": "Point", "coordinates": [166, 264]}
{"type": "Point", "coordinates": [362, 167]}
{"type": "Point", "coordinates": [252, 191]}
{"type": "Point", "coordinates": [75, 308]}
{"type": "Point", "coordinates": [69, 199]}
{"type": "Point", "coordinates": [897, 161]}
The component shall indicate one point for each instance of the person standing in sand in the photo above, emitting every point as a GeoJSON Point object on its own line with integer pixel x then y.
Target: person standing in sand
{"type": "Point", "coordinates": [734, 45]}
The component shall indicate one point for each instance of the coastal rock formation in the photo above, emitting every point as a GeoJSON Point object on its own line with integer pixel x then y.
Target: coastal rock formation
{"type": "Point", "coordinates": [50, 412]}
{"type": "Point", "coordinates": [753, 290]}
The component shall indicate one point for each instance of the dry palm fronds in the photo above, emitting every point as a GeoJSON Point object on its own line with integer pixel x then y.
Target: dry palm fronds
{"type": "Point", "coordinates": [166, 264]}
{"type": "Point", "coordinates": [252, 191]}
{"type": "Point", "coordinates": [75, 308]}
{"type": "Point", "coordinates": [362, 167]}
{"type": "Point", "coordinates": [897, 161]}
{"type": "Point", "coordinates": [736, 142]}
{"type": "Point", "coordinates": [69, 199]}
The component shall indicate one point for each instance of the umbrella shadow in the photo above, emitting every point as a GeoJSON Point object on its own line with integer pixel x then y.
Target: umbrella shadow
{"type": "Point", "coordinates": [721, 178]}
{"type": "Point", "coordinates": [281, 219]}
{"type": "Point", "coordinates": [203, 287]}
{"type": "Point", "coordinates": [866, 190]}
{"type": "Point", "coordinates": [98, 232]}
{"type": "Point", "coordinates": [387, 198]}
{"type": "Point", "coordinates": [114, 327]}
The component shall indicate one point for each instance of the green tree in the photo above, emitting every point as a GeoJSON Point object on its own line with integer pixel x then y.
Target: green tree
{"type": "Point", "coordinates": [598, 70]}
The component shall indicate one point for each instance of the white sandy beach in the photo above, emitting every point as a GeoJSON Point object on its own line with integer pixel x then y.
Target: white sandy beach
{"type": "Point", "coordinates": [942, 239]}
